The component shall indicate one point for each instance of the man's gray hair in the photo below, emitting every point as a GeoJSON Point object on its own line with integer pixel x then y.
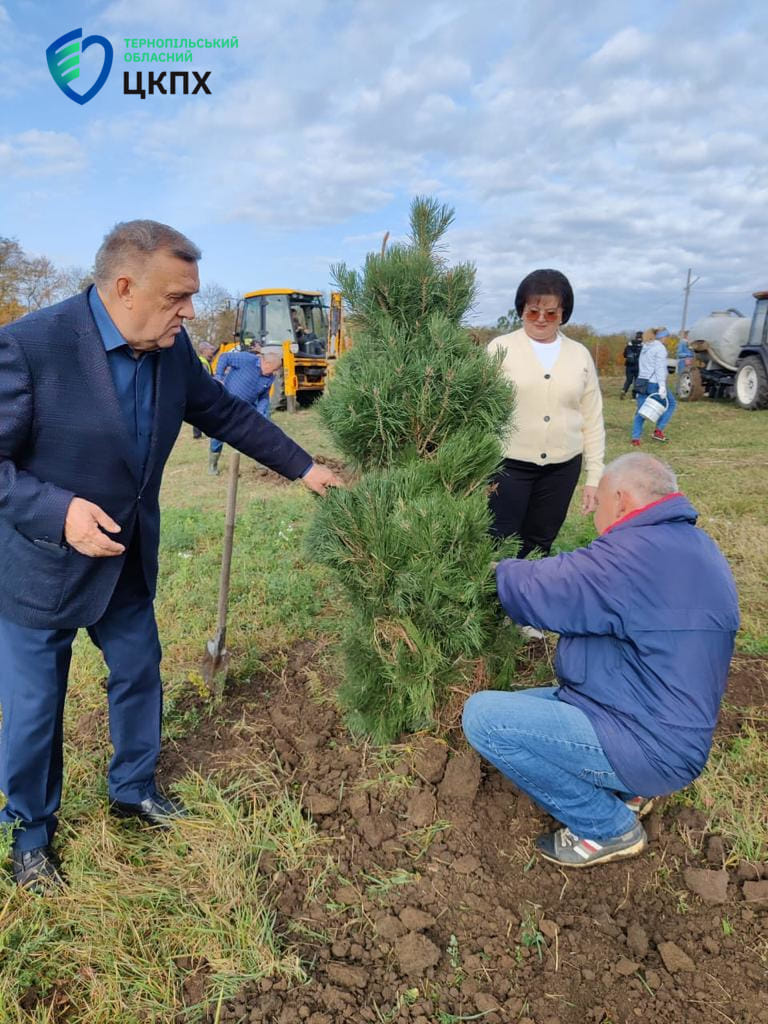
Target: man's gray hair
{"type": "Point", "coordinates": [139, 238]}
{"type": "Point", "coordinates": [642, 475]}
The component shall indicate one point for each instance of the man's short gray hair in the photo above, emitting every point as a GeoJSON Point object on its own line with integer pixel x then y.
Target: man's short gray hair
{"type": "Point", "coordinates": [643, 476]}
{"type": "Point", "coordinates": [139, 238]}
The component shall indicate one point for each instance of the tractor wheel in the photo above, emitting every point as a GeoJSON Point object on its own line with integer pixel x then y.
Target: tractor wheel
{"type": "Point", "coordinates": [751, 384]}
{"type": "Point", "coordinates": [690, 387]}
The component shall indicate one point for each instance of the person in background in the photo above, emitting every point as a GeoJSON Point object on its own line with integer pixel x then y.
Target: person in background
{"type": "Point", "coordinates": [631, 360]}
{"type": "Point", "coordinates": [299, 330]}
{"type": "Point", "coordinates": [558, 418]}
{"type": "Point", "coordinates": [205, 352]}
{"type": "Point", "coordinates": [684, 353]}
{"type": "Point", "coordinates": [248, 375]}
{"type": "Point", "coordinates": [641, 668]}
{"type": "Point", "coordinates": [223, 348]}
{"type": "Point", "coordinates": [652, 381]}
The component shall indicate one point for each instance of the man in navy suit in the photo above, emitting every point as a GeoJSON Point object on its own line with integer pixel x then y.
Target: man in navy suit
{"type": "Point", "coordinates": [93, 392]}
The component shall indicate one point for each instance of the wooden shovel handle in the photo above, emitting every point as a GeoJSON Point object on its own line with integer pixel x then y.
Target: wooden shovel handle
{"type": "Point", "coordinates": [229, 533]}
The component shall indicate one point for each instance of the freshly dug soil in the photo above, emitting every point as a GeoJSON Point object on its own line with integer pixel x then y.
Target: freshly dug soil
{"type": "Point", "coordinates": [436, 908]}
{"type": "Point", "coordinates": [257, 472]}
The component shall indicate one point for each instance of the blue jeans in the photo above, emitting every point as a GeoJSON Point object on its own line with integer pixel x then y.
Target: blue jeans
{"type": "Point", "coordinates": [549, 750]}
{"type": "Point", "coordinates": [639, 421]}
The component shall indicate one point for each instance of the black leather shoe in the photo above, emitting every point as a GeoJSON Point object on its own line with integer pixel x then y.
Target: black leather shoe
{"type": "Point", "coordinates": [37, 869]}
{"type": "Point", "coordinates": [159, 811]}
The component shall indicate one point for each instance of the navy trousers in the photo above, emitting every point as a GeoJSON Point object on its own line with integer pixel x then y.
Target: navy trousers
{"type": "Point", "coordinates": [34, 665]}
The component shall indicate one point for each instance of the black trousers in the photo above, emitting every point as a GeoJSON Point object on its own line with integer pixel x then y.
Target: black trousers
{"type": "Point", "coordinates": [532, 501]}
{"type": "Point", "coordinates": [630, 373]}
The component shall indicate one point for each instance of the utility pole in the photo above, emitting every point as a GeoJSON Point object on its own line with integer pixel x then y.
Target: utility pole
{"type": "Point", "coordinates": [688, 285]}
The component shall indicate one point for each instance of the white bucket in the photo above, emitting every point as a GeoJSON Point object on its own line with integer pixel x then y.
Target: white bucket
{"type": "Point", "coordinates": [652, 408]}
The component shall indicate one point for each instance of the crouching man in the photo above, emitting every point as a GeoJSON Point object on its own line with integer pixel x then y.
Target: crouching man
{"type": "Point", "coordinates": [647, 615]}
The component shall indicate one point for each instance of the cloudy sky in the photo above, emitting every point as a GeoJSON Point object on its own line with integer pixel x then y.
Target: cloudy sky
{"type": "Point", "coordinates": [621, 142]}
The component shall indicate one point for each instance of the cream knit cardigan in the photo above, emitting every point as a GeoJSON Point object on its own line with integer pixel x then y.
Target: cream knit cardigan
{"type": "Point", "coordinates": [558, 412]}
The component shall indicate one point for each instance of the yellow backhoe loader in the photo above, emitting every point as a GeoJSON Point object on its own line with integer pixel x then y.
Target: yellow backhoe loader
{"type": "Point", "coordinates": [296, 323]}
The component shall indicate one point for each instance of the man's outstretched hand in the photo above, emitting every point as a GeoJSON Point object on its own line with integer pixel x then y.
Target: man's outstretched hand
{"type": "Point", "coordinates": [84, 530]}
{"type": "Point", "coordinates": [588, 500]}
{"type": "Point", "coordinates": [320, 478]}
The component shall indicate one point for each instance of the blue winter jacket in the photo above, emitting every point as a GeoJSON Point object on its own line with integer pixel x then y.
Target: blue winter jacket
{"type": "Point", "coordinates": [647, 615]}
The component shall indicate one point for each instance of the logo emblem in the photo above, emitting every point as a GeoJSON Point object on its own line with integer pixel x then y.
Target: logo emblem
{"type": "Point", "coordinates": [64, 63]}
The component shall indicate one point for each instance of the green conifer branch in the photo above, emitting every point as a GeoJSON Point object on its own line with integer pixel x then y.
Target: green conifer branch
{"type": "Point", "coordinates": [421, 411]}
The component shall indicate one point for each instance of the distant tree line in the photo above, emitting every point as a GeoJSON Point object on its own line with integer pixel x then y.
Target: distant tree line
{"type": "Point", "coordinates": [214, 315]}
{"type": "Point", "coordinates": [607, 350]}
{"type": "Point", "coordinates": [30, 282]}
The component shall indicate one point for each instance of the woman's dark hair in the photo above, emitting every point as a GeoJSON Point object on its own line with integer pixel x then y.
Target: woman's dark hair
{"type": "Point", "coordinates": [545, 282]}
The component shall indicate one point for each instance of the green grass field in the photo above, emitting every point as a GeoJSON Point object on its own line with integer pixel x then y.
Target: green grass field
{"type": "Point", "coordinates": [144, 911]}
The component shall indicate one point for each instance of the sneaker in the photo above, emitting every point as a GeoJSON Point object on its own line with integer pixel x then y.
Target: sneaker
{"type": "Point", "coordinates": [658, 435]}
{"type": "Point", "coordinates": [640, 805]}
{"type": "Point", "coordinates": [531, 633]}
{"type": "Point", "coordinates": [566, 849]}
{"type": "Point", "coordinates": [636, 443]}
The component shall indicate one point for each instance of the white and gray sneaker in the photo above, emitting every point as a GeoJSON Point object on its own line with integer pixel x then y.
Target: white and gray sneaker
{"type": "Point", "coordinates": [565, 848]}
{"type": "Point", "coordinates": [640, 805]}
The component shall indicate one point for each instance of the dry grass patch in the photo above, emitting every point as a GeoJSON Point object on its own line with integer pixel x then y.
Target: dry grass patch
{"type": "Point", "coordinates": [147, 910]}
{"type": "Point", "coordinates": [732, 792]}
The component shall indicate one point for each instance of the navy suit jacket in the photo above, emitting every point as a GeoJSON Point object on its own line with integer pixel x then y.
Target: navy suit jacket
{"type": "Point", "coordinates": [63, 434]}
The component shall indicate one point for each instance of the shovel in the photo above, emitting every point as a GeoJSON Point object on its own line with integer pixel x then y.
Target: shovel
{"type": "Point", "coordinates": [216, 657]}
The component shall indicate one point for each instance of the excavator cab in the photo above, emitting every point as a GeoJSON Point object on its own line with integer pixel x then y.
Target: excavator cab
{"type": "Point", "coordinates": [273, 316]}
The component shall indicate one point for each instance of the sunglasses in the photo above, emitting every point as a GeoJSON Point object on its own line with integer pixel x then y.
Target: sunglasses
{"type": "Point", "coordinates": [550, 315]}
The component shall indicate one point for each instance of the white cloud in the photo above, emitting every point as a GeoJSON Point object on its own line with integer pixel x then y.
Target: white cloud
{"type": "Point", "coordinates": [619, 142]}
{"type": "Point", "coordinates": [629, 101]}
{"type": "Point", "coordinates": [40, 154]}
{"type": "Point", "coordinates": [626, 46]}
{"type": "Point", "coordinates": [621, 177]}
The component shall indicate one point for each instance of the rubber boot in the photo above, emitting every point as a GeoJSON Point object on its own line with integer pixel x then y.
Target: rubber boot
{"type": "Point", "coordinates": [213, 463]}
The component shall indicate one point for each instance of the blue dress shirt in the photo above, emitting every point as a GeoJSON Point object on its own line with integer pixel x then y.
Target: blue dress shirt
{"type": "Point", "coordinates": [133, 377]}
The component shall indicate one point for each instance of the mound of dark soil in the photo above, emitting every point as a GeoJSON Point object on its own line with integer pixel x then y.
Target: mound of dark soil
{"type": "Point", "coordinates": [437, 910]}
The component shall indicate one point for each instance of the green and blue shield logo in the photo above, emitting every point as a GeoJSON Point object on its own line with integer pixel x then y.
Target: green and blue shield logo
{"type": "Point", "coordinates": [64, 62]}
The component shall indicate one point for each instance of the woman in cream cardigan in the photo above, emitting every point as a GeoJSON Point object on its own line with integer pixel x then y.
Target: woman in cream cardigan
{"type": "Point", "coordinates": [558, 422]}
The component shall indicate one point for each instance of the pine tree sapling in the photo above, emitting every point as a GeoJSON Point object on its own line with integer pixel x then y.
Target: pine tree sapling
{"type": "Point", "coordinates": [420, 410]}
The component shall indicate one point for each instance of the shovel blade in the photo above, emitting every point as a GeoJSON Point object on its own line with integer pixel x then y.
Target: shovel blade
{"type": "Point", "coordinates": [214, 666]}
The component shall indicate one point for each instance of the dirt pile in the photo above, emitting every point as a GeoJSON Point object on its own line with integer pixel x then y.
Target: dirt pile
{"type": "Point", "coordinates": [428, 905]}
{"type": "Point", "coordinates": [260, 473]}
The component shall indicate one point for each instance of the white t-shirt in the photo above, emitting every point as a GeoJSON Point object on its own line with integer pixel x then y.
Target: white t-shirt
{"type": "Point", "coordinates": [546, 351]}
